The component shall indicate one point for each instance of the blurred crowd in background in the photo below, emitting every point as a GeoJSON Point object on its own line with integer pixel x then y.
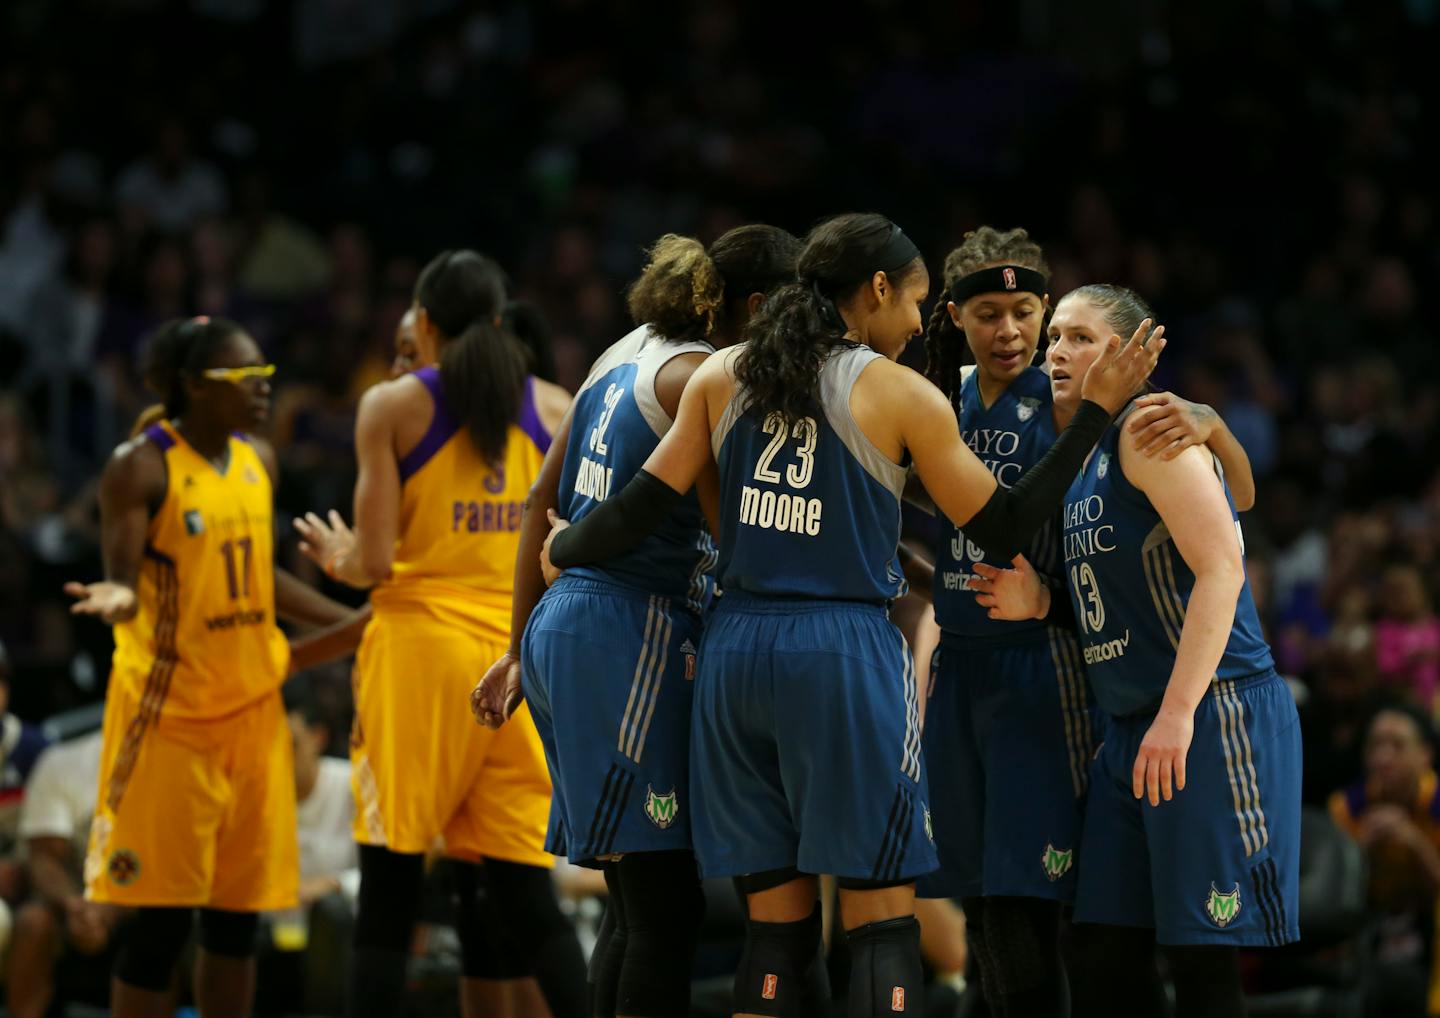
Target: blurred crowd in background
{"type": "Point", "coordinates": [1262, 172]}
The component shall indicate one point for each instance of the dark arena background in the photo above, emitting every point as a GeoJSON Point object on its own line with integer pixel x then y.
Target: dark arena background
{"type": "Point", "coordinates": [1263, 173]}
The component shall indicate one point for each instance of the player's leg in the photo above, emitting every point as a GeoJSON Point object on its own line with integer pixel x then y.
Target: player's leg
{"type": "Point", "coordinates": [782, 935]}
{"type": "Point", "coordinates": [225, 964]}
{"type": "Point", "coordinates": [30, 970]}
{"type": "Point", "coordinates": [608, 956]}
{"type": "Point", "coordinates": [816, 1002]}
{"type": "Point", "coordinates": [542, 939]}
{"type": "Point", "coordinates": [385, 917]}
{"type": "Point", "coordinates": [886, 974]}
{"type": "Point", "coordinates": [663, 907]}
{"type": "Point", "coordinates": [1207, 981]}
{"type": "Point", "coordinates": [150, 948]}
{"type": "Point", "coordinates": [1115, 972]}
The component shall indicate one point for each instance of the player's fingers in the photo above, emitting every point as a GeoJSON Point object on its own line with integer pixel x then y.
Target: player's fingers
{"type": "Point", "coordinates": [1179, 772]}
{"type": "Point", "coordinates": [1141, 331]}
{"type": "Point", "coordinates": [1152, 779]}
{"type": "Point", "coordinates": [985, 600]}
{"type": "Point", "coordinates": [75, 589]}
{"type": "Point", "coordinates": [337, 522]}
{"type": "Point", "coordinates": [1145, 418]}
{"type": "Point", "coordinates": [986, 570]}
{"type": "Point", "coordinates": [1163, 437]}
{"type": "Point", "coordinates": [1167, 788]}
{"type": "Point", "coordinates": [1175, 448]}
{"type": "Point", "coordinates": [1137, 775]}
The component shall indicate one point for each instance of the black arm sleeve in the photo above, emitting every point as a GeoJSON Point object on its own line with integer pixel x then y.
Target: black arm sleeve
{"type": "Point", "coordinates": [616, 525]}
{"type": "Point", "coordinates": [1005, 524]}
{"type": "Point", "coordinates": [1062, 612]}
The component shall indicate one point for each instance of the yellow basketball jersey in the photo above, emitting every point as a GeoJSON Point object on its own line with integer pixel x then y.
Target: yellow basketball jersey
{"type": "Point", "coordinates": [460, 521]}
{"type": "Point", "coordinates": [204, 642]}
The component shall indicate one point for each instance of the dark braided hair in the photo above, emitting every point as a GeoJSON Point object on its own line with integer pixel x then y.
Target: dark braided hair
{"type": "Point", "coordinates": [181, 349]}
{"type": "Point", "coordinates": [946, 351]}
{"type": "Point", "coordinates": [793, 332]}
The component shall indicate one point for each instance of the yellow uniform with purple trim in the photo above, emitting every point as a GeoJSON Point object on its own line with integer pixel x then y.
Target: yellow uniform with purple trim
{"type": "Point", "coordinates": [425, 775]}
{"type": "Point", "coordinates": [197, 787]}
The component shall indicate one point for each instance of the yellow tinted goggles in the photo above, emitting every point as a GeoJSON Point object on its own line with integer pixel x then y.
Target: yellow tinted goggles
{"type": "Point", "coordinates": [238, 375]}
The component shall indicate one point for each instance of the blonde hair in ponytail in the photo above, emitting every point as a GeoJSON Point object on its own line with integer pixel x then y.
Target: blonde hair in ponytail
{"type": "Point", "coordinates": [680, 292]}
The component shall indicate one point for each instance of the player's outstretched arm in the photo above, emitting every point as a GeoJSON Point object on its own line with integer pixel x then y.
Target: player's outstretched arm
{"type": "Point", "coordinates": [131, 488]}
{"type": "Point", "coordinates": [1188, 496]}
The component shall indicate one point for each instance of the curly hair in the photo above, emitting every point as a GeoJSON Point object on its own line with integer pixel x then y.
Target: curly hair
{"type": "Point", "coordinates": [945, 347]}
{"type": "Point", "coordinates": [679, 292]}
{"type": "Point", "coordinates": [790, 337]}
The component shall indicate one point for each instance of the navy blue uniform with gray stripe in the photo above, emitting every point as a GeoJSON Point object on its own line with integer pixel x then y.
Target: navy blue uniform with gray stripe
{"type": "Point", "coordinates": [1220, 863]}
{"type": "Point", "coordinates": [608, 658]}
{"type": "Point", "coordinates": [806, 742]}
{"type": "Point", "coordinates": [1009, 728]}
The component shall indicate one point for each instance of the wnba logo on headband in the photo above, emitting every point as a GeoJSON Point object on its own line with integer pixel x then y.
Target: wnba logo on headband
{"type": "Point", "coordinates": [998, 279]}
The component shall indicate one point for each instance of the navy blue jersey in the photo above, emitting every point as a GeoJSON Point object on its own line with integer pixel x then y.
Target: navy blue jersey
{"type": "Point", "coordinates": [812, 510]}
{"type": "Point", "coordinates": [1131, 587]}
{"type": "Point", "coordinates": [617, 423]}
{"type": "Point", "coordinates": [1009, 437]}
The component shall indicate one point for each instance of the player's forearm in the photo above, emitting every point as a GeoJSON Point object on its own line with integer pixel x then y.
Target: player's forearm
{"type": "Point", "coordinates": [1208, 620]}
{"type": "Point", "coordinates": [919, 572]}
{"type": "Point", "coordinates": [529, 580]}
{"type": "Point", "coordinates": [1236, 464]}
{"type": "Point", "coordinates": [296, 601]}
{"type": "Point", "coordinates": [331, 643]}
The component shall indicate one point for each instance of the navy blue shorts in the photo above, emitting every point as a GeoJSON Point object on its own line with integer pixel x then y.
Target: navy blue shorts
{"type": "Point", "coordinates": [609, 673]}
{"type": "Point", "coordinates": [1009, 733]}
{"type": "Point", "coordinates": [805, 747]}
{"type": "Point", "coordinates": [1220, 862]}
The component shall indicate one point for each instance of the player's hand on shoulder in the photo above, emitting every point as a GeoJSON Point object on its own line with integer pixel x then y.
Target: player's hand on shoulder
{"type": "Point", "coordinates": [498, 694]}
{"type": "Point", "coordinates": [112, 603]}
{"type": "Point", "coordinates": [1012, 594]}
{"type": "Point", "coordinates": [1165, 425]}
{"type": "Point", "coordinates": [1119, 371]}
{"type": "Point", "coordinates": [547, 567]}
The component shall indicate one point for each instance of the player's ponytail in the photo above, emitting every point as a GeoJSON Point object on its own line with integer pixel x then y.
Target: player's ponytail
{"type": "Point", "coordinates": [181, 349]}
{"type": "Point", "coordinates": [945, 348]}
{"type": "Point", "coordinates": [679, 292]}
{"type": "Point", "coordinates": [483, 377]}
{"type": "Point", "coordinates": [790, 337]}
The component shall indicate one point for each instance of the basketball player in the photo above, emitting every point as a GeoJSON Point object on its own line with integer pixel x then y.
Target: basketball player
{"type": "Point", "coordinates": [1010, 709]}
{"type": "Point", "coordinates": [196, 803]}
{"type": "Point", "coordinates": [1198, 723]}
{"type": "Point", "coordinates": [805, 743]}
{"type": "Point", "coordinates": [609, 652]}
{"type": "Point", "coordinates": [445, 456]}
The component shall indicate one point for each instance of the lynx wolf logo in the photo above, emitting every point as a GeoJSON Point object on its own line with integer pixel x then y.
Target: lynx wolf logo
{"type": "Point", "coordinates": [1104, 467]}
{"type": "Point", "coordinates": [1223, 908]}
{"type": "Point", "coordinates": [1056, 862]}
{"type": "Point", "coordinates": [661, 809]}
{"type": "Point", "coordinates": [1026, 409]}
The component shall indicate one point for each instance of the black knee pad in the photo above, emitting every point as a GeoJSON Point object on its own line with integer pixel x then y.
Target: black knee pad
{"type": "Point", "coordinates": [486, 951]}
{"type": "Point", "coordinates": [663, 908]}
{"type": "Point", "coordinates": [231, 934]}
{"type": "Point", "coordinates": [886, 977]}
{"type": "Point", "coordinates": [151, 946]}
{"type": "Point", "coordinates": [772, 976]}
{"type": "Point", "coordinates": [389, 899]}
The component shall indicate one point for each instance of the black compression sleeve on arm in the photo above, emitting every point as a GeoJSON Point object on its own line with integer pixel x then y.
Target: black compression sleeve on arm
{"type": "Point", "coordinates": [1062, 612]}
{"type": "Point", "coordinates": [616, 525]}
{"type": "Point", "coordinates": [1005, 524]}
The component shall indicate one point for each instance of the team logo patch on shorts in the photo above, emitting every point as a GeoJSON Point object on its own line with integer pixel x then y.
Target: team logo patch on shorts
{"type": "Point", "coordinates": [661, 809]}
{"type": "Point", "coordinates": [1223, 909]}
{"type": "Point", "coordinates": [1056, 862]}
{"type": "Point", "coordinates": [123, 867]}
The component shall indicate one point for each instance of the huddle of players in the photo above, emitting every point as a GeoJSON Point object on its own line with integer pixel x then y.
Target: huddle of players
{"type": "Point", "coordinates": [781, 738]}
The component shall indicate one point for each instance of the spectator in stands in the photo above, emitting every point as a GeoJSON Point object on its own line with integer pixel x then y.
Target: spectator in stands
{"type": "Point", "coordinates": [60, 940]}
{"type": "Point", "coordinates": [1394, 812]}
{"type": "Point", "coordinates": [1407, 636]}
{"type": "Point", "coordinates": [169, 189]}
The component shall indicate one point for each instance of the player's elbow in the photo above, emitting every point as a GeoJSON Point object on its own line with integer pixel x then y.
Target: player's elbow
{"type": "Point", "coordinates": [1244, 500]}
{"type": "Point", "coordinates": [1224, 574]}
{"type": "Point", "coordinates": [375, 564]}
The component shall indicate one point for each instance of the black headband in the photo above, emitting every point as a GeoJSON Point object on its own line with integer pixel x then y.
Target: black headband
{"type": "Point", "coordinates": [898, 252]}
{"type": "Point", "coordinates": [999, 279]}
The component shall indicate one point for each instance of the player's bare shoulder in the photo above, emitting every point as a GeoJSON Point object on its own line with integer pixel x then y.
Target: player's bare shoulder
{"type": "Point", "coordinates": [551, 402]}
